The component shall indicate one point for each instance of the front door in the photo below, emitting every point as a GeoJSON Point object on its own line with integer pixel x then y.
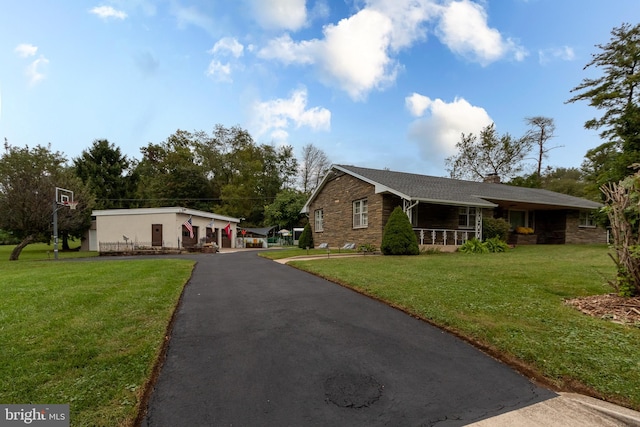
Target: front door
{"type": "Point", "coordinates": [156, 235]}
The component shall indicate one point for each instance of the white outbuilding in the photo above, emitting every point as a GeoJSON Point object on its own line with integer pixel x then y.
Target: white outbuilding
{"type": "Point", "coordinates": [167, 227]}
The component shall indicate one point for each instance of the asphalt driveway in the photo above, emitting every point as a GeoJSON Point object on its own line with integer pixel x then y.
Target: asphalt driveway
{"type": "Point", "coordinates": [257, 343]}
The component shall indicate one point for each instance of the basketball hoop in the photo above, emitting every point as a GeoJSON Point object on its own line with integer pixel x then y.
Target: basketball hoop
{"type": "Point", "coordinates": [71, 205]}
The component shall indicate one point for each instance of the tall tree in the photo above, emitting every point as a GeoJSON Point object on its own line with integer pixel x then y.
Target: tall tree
{"type": "Point", "coordinates": [28, 178]}
{"type": "Point", "coordinates": [284, 211]}
{"type": "Point", "coordinates": [244, 175]}
{"type": "Point", "coordinates": [170, 174]}
{"type": "Point", "coordinates": [540, 132]}
{"type": "Point", "coordinates": [313, 167]}
{"type": "Point", "coordinates": [616, 93]}
{"type": "Point", "coordinates": [488, 154]}
{"type": "Point", "coordinates": [108, 173]}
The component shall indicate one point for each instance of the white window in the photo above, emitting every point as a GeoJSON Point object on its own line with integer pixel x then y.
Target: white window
{"type": "Point", "coordinates": [586, 219]}
{"type": "Point", "coordinates": [360, 214]}
{"type": "Point", "coordinates": [467, 217]}
{"type": "Point", "coordinates": [319, 220]}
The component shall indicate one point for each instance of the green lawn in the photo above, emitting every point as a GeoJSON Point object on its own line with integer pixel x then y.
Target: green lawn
{"type": "Point", "coordinates": [511, 304]}
{"type": "Point", "coordinates": [86, 333]}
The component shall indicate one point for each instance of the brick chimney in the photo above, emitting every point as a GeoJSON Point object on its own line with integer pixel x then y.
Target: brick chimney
{"type": "Point", "coordinates": [492, 178]}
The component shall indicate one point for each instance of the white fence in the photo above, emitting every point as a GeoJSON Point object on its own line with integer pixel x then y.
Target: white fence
{"type": "Point", "coordinates": [441, 236]}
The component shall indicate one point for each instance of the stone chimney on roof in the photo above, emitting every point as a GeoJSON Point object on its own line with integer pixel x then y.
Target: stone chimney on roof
{"type": "Point", "coordinates": [492, 178]}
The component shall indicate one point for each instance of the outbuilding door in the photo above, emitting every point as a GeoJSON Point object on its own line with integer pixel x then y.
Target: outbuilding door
{"type": "Point", "coordinates": [156, 235]}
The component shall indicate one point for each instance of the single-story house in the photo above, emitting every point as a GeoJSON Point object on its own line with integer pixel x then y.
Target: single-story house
{"type": "Point", "coordinates": [167, 227]}
{"type": "Point", "coordinates": [353, 204]}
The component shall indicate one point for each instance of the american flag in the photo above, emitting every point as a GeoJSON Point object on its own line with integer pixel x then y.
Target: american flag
{"type": "Point", "coordinates": [189, 225]}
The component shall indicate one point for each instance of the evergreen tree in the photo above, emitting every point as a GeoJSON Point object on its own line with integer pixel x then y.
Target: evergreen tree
{"type": "Point", "coordinates": [617, 94]}
{"type": "Point", "coordinates": [306, 238]}
{"type": "Point", "coordinates": [398, 237]}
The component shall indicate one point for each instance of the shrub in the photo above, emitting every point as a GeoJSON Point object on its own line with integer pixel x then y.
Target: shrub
{"type": "Point", "coordinates": [473, 246]}
{"type": "Point", "coordinates": [7, 238]}
{"type": "Point", "coordinates": [306, 238]}
{"type": "Point", "coordinates": [398, 237]}
{"type": "Point", "coordinates": [495, 227]}
{"type": "Point", "coordinates": [496, 245]}
{"type": "Point", "coordinates": [367, 247]}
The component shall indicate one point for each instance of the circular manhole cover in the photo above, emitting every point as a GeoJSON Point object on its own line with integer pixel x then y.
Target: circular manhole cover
{"type": "Point", "coordinates": [352, 390]}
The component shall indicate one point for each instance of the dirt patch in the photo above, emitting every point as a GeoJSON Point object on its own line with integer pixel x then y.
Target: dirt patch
{"type": "Point", "coordinates": [611, 307]}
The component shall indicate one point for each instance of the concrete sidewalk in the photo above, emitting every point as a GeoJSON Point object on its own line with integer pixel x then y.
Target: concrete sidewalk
{"type": "Point", "coordinates": [566, 410]}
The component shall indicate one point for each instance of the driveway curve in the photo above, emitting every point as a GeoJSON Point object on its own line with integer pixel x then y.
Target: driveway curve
{"type": "Point", "coordinates": [258, 343]}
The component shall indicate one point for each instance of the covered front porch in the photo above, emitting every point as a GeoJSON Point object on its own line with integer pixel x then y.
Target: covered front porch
{"type": "Point", "coordinates": [444, 226]}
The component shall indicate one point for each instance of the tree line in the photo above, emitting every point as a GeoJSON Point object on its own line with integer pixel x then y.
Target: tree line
{"type": "Point", "coordinates": [224, 171]}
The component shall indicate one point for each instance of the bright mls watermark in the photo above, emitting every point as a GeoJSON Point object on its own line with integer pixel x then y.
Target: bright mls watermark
{"type": "Point", "coordinates": [34, 415]}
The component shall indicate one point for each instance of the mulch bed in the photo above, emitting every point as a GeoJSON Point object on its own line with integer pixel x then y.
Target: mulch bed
{"type": "Point", "coordinates": [611, 307]}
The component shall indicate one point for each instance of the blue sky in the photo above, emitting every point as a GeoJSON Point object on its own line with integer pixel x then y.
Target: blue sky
{"type": "Point", "coordinates": [374, 83]}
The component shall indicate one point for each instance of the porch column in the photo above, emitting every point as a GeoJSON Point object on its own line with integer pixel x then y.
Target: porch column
{"type": "Point", "coordinates": [407, 207]}
{"type": "Point", "coordinates": [219, 237]}
{"type": "Point", "coordinates": [478, 223]}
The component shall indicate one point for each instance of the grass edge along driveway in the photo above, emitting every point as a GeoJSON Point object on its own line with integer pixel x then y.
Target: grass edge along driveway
{"type": "Point", "coordinates": [511, 305]}
{"type": "Point", "coordinates": [86, 334]}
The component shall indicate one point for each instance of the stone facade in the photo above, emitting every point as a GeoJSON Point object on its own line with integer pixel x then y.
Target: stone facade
{"type": "Point", "coordinates": [336, 201]}
{"type": "Point", "coordinates": [576, 234]}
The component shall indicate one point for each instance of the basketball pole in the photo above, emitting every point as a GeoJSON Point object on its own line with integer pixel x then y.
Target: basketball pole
{"type": "Point", "coordinates": [63, 198]}
{"type": "Point", "coordinates": [55, 229]}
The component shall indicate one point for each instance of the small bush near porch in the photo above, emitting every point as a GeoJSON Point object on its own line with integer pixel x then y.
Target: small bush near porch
{"type": "Point", "coordinates": [513, 305]}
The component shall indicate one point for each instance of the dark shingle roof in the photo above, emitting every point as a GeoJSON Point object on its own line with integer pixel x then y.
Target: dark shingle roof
{"type": "Point", "coordinates": [457, 192]}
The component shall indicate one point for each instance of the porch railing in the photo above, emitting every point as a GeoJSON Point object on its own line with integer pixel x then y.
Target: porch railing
{"type": "Point", "coordinates": [441, 236]}
{"type": "Point", "coordinates": [126, 246]}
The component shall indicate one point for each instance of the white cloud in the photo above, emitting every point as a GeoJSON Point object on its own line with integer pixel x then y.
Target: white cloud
{"type": "Point", "coordinates": [106, 12]}
{"type": "Point", "coordinates": [219, 72]}
{"type": "Point", "coordinates": [408, 19]}
{"type": "Point", "coordinates": [352, 56]}
{"type": "Point", "coordinates": [437, 132]}
{"type": "Point", "coordinates": [417, 104]}
{"type": "Point", "coordinates": [228, 45]}
{"type": "Point", "coordinates": [355, 53]}
{"type": "Point", "coordinates": [34, 71]}
{"type": "Point", "coordinates": [289, 52]}
{"type": "Point", "coordinates": [276, 116]}
{"type": "Point", "coordinates": [464, 29]}
{"type": "Point", "coordinates": [225, 47]}
{"type": "Point", "coordinates": [358, 53]}
{"type": "Point", "coordinates": [26, 50]}
{"type": "Point", "coordinates": [280, 14]}
{"type": "Point", "coordinates": [564, 53]}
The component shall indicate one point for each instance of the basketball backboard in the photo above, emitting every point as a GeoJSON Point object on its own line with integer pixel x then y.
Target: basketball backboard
{"type": "Point", "coordinates": [64, 196]}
